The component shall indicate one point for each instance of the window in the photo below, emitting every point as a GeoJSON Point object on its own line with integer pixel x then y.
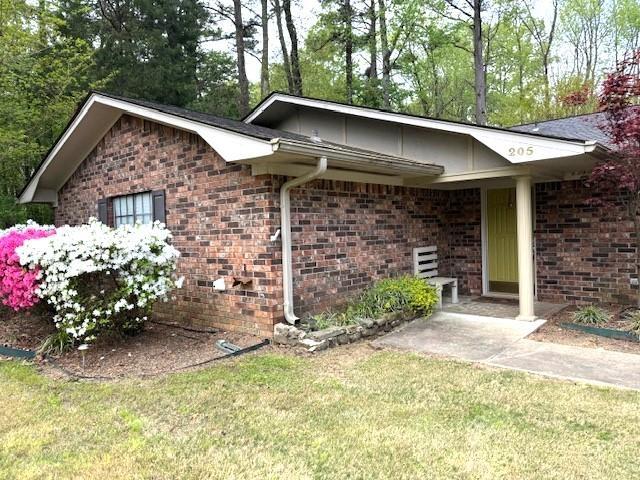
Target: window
{"type": "Point", "coordinates": [130, 209]}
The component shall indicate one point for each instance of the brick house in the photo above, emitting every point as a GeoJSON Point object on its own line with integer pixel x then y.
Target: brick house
{"type": "Point", "coordinates": [305, 202]}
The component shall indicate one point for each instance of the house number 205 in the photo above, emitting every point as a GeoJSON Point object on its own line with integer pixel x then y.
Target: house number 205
{"type": "Point", "coordinates": [520, 151]}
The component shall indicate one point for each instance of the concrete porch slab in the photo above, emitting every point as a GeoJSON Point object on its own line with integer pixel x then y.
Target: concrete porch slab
{"type": "Point", "coordinates": [468, 337]}
{"type": "Point", "coordinates": [499, 307]}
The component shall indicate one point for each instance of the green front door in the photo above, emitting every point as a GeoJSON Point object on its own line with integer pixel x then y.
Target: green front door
{"type": "Point", "coordinates": [502, 247]}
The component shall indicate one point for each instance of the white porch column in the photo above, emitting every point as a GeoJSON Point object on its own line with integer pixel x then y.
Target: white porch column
{"type": "Point", "coordinates": [525, 247]}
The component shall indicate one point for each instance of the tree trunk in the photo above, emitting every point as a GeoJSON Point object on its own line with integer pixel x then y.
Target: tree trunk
{"type": "Point", "coordinates": [386, 55]}
{"type": "Point", "coordinates": [295, 60]}
{"type": "Point", "coordinates": [478, 65]}
{"type": "Point", "coordinates": [283, 45]}
{"type": "Point", "coordinates": [348, 49]}
{"type": "Point", "coordinates": [373, 43]}
{"type": "Point", "coordinates": [243, 83]}
{"type": "Point", "coordinates": [264, 68]}
{"type": "Point", "coordinates": [546, 54]}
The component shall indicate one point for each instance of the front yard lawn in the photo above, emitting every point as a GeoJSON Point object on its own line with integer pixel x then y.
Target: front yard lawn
{"type": "Point", "coordinates": [347, 413]}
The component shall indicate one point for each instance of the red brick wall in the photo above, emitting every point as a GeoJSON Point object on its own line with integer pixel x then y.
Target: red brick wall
{"type": "Point", "coordinates": [464, 239]}
{"type": "Point", "coordinates": [584, 253]}
{"type": "Point", "coordinates": [220, 215]}
{"type": "Point", "coordinates": [346, 235]}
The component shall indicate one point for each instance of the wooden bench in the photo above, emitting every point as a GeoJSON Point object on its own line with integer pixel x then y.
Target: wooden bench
{"type": "Point", "coordinates": [425, 265]}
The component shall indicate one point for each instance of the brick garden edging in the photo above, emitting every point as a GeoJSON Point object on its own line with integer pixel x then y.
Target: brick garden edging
{"type": "Point", "coordinates": [315, 341]}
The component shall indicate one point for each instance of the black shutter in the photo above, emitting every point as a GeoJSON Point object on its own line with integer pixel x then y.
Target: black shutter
{"type": "Point", "coordinates": [159, 212]}
{"type": "Point", "coordinates": [102, 211]}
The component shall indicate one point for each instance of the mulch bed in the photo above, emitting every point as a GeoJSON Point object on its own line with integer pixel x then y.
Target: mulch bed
{"type": "Point", "coordinates": [24, 329]}
{"type": "Point", "coordinates": [553, 332]}
{"type": "Point", "coordinates": [158, 349]}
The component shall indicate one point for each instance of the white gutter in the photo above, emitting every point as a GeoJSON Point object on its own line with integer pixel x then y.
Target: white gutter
{"type": "Point", "coordinates": [357, 158]}
{"type": "Point", "coordinates": [285, 228]}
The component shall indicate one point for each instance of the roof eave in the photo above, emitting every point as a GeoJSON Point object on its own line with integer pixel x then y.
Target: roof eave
{"type": "Point", "coordinates": [361, 159]}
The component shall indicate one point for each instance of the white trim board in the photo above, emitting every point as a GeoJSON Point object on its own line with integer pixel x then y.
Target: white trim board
{"type": "Point", "coordinates": [511, 145]}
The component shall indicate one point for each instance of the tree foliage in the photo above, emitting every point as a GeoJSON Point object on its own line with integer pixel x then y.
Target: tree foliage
{"type": "Point", "coordinates": [618, 178]}
{"type": "Point", "coordinates": [418, 56]}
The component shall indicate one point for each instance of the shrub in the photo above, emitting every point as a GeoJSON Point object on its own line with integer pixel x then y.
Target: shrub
{"type": "Point", "coordinates": [406, 294]}
{"type": "Point", "coordinates": [98, 278]}
{"type": "Point", "coordinates": [634, 318]}
{"type": "Point", "coordinates": [591, 315]}
{"type": "Point", "coordinates": [18, 284]}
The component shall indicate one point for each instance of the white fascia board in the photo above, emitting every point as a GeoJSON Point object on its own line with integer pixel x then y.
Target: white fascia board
{"type": "Point", "coordinates": [30, 190]}
{"type": "Point", "coordinates": [229, 145]}
{"type": "Point", "coordinates": [516, 147]}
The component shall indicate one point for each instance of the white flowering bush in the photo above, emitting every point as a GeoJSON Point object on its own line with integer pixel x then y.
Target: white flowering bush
{"type": "Point", "coordinates": [98, 278]}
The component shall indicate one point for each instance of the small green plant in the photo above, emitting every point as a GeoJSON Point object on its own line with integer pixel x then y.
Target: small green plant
{"type": "Point", "coordinates": [329, 319]}
{"type": "Point", "coordinates": [56, 343]}
{"type": "Point", "coordinates": [591, 315]}
{"type": "Point", "coordinates": [634, 318]}
{"type": "Point", "coordinates": [402, 294]}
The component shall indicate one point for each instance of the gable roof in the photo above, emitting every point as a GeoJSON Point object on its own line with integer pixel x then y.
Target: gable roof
{"type": "Point", "coordinates": [503, 141]}
{"type": "Point", "coordinates": [233, 140]}
{"type": "Point", "coordinates": [253, 116]}
{"type": "Point", "coordinates": [584, 127]}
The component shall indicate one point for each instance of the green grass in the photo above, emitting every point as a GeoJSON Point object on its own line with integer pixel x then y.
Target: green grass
{"type": "Point", "coordinates": [352, 413]}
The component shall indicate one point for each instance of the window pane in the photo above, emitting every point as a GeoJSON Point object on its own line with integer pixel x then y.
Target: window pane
{"type": "Point", "coordinates": [146, 204]}
{"type": "Point", "coordinates": [131, 209]}
{"type": "Point", "coordinates": [138, 201]}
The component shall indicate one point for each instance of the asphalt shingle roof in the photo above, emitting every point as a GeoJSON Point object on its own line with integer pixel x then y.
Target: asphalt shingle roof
{"type": "Point", "coordinates": [583, 127]}
{"type": "Point", "coordinates": [256, 131]}
{"type": "Point", "coordinates": [237, 126]}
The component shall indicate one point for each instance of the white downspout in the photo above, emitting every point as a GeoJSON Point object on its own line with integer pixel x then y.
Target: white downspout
{"type": "Point", "coordinates": [285, 227]}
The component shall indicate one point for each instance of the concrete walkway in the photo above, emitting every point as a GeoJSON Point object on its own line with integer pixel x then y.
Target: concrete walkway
{"type": "Point", "coordinates": [501, 342]}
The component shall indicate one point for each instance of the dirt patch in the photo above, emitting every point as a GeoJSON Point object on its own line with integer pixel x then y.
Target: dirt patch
{"type": "Point", "coordinates": [23, 329]}
{"type": "Point", "coordinates": [158, 349]}
{"type": "Point", "coordinates": [553, 332]}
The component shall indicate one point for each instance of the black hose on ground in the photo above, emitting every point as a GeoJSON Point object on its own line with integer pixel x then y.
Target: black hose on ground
{"type": "Point", "coordinates": [184, 327]}
{"type": "Point", "coordinates": [237, 353]}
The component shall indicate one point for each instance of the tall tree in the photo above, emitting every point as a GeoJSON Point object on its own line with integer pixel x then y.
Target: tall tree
{"type": "Point", "coordinates": [264, 64]}
{"type": "Point", "coordinates": [586, 27]}
{"type": "Point", "coordinates": [42, 77]}
{"type": "Point", "coordinates": [372, 38]}
{"type": "Point", "coordinates": [470, 12]}
{"type": "Point", "coordinates": [544, 38]}
{"type": "Point", "coordinates": [243, 82]}
{"type": "Point", "coordinates": [144, 48]}
{"type": "Point", "coordinates": [295, 59]}
{"type": "Point", "coordinates": [347, 36]}
{"type": "Point", "coordinates": [479, 69]}
{"type": "Point", "coordinates": [286, 64]}
{"type": "Point", "coordinates": [386, 54]}
{"type": "Point", "coordinates": [217, 85]}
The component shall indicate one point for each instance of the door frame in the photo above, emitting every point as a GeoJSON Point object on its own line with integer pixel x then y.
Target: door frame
{"type": "Point", "coordinates": [485, 246]}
